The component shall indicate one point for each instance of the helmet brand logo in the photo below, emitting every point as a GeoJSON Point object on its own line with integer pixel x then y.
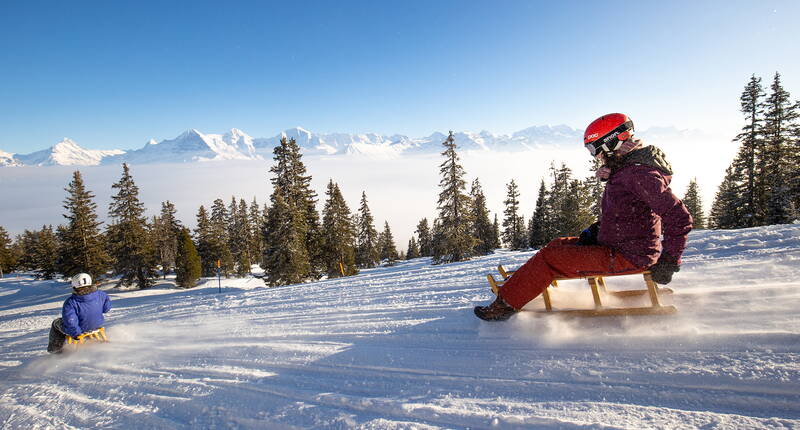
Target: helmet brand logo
{"type": "Point", "coordinates": [611, 136]}
{"type": "Point", "coordinates": [592, 136]}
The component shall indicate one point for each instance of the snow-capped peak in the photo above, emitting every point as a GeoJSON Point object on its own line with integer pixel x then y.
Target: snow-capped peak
{"type": "Point", "coordinates": [66, 153]}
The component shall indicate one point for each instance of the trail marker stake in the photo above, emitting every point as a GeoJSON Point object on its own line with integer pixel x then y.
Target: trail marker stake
{"type": "Point", "coordinates": [219, 278]}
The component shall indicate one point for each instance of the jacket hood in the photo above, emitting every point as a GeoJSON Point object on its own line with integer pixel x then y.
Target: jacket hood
{"type": "Point", "coordinates": [648, 156]}
{"type": "Point", "coordinates": [87, 297]}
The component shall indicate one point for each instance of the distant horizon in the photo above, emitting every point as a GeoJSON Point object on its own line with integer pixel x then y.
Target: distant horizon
{"type": "Point", "coordinates": [475, 131]}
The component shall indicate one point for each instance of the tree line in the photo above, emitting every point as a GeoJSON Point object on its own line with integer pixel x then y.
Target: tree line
{"type": "Point", "coordinates": [287, 237]}
{"type": "Point", "coordinates": [762, 184]}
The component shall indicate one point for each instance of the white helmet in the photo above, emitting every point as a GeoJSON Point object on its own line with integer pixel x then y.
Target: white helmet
{"type": "Point", "coordinates": [81, 280]}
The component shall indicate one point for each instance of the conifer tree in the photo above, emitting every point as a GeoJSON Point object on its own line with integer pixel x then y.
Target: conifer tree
{"type": "Point", "coordinates": [187, 261]}
{"type": "Point", "coordinates": [593, 190]}
{"type": "Point", "coordinates": [255, 223]}
{"type": "Point", "coordinates": [47, 252]}
{"type": "Point", "coordinates": [285, 257]}
{"type": "Point", "coordinates": [425, 238]}
{"type": "Point", "coordinates": [579, 212]}
{"type": "Point", "coordinates": [129, 236]}
{"type": "Point", "coordinates": [750, 162]}
{"type": "Point", "coordinates": [727, 206]}
{"type": "Point", "coordinates": [513, 224]}
{"type": "Point", "coordinates": [220, 243]}
{"type": "Point", "coordinates": [694, 203]}
{"type": "Point", "coordinates": [290, 177]}
{"type": "Point", "coordinates": [413, 249]}
{"type": "Point", "coordinates": [339, 237]}
{"type": "Point", "coordinates": [388, 249]}
{"type": "Point", "coordinates": [496, 232]}
{"type": "Point", "coordinates": [242, 233]}
{"type": "Point", "coordinates": [39, 252]}
{"type": "Point", "coordinates": [82, 247]}
{"type": "Point", "coordinates": [203, 235]}
{"type": "Point", "coordinates": [482, 228]}
{"type": "Point", "coordinates": [454, 241]}
{"type": "Point", "coordinates": [367, 254]}
{"type": "Point", "coordinates": [166, 229]}
{"type": "Point", "coordinates": [780, 115]}
{"type": "Point", "coordinates": [7, 255]}
{"type": "Point", "coordinates": [538, 225]}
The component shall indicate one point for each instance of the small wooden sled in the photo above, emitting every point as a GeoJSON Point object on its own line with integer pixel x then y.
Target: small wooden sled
{"type": "Point", "coordinates": [98, 335]}
{"type": "Point", "coordinates": [598, 287]}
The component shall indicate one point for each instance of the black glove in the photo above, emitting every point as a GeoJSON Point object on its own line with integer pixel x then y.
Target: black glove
{"type": "Point", "coordinates": [589, 236]}
{"type": "Point", "coordinates": [663, 270]}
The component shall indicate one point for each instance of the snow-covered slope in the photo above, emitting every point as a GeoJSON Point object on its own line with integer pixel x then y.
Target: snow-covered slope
{"type": "Point", "coordinates": [399, 347]}
{"type": "Point", "coordinates": [66, 153]}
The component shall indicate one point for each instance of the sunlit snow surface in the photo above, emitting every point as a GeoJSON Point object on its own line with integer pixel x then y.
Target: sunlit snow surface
{"type": "Point", "coordinates": [399, 347]}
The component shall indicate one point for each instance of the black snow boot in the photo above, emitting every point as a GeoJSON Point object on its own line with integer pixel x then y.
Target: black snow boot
{"type": "Point", "coordinates": [57, 338]}
{"type": "Point", "coordinates": [499, 310]}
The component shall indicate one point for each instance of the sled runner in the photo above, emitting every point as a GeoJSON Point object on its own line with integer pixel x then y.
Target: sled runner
{"type": "Point", "coordinates": [98, 335]}
{"type": "Point", "coordinates": [598, 286]}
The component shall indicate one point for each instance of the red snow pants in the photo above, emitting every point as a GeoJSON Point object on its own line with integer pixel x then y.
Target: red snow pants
{"type": "Point", "coordinates": [562, 258]}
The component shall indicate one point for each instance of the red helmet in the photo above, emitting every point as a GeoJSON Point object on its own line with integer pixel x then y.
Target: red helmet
{"type": "Point", "coordinates": [607, 133]}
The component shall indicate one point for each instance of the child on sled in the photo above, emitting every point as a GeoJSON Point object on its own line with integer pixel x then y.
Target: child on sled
{"type": "Point", "coordinates": [82, 312]}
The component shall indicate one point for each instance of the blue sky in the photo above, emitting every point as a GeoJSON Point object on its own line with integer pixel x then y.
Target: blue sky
{"type": "Point", "coordinates": [115, 74]}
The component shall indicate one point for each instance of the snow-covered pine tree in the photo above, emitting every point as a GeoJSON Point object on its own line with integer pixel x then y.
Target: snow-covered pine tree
{"type": "Point", "coordinates": [220, 239]}
{"type": "Point", "coordinates": [539, 220]}
{"type": "Point", "coordinates": [128, 235]}
{"type": "Point", "coordinates": [413, 249]}
{"type": "Point", "coordinates": [694, 203]}
{"type": "Point", "coordinates": [290, 177]}
{"type": "Point", "coordinates": [388, 249]}
{"type": "Point", "coordinates": [482, 228]}
{"type": "Point", "coordinates": [367, 254]}
{"type": "Point", "coordinates": [166, 228]}
{"type": "Point", "coordinates": [285, 257]}
{"type": "Point", "coordinates": [454, 240]}
{"type": "Point", "coordinates": [82, 245]}
{"type": "Point", "coordinates": [726, 209]}
{"type": "Point", "coordinates": [187, 261]}
{"type": "Point", "coordinates": [514, 235]}
{"type": "Point", "coordinates": [425, 238]}
{"type": "Point", "coordinates": [338, 235]}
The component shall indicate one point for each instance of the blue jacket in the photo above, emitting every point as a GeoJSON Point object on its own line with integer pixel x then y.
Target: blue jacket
{"type": "Point", "coordinates": [84, 313]}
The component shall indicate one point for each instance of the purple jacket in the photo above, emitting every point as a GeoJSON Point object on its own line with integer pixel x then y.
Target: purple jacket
{"type": "Point", "coordinates": [638, 207]}
{"type": "Point", "coordinates": [84, 313]}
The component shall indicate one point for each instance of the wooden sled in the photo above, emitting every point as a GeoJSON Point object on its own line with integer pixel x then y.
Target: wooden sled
{"type": "Point", "coordinates": [98, 335]}
{"type": "Point", "coordinates": [598, 287]}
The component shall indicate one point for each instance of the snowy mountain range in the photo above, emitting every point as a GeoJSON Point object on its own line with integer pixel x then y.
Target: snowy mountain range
{"type": "Point", "coordinates": [193, 145]}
